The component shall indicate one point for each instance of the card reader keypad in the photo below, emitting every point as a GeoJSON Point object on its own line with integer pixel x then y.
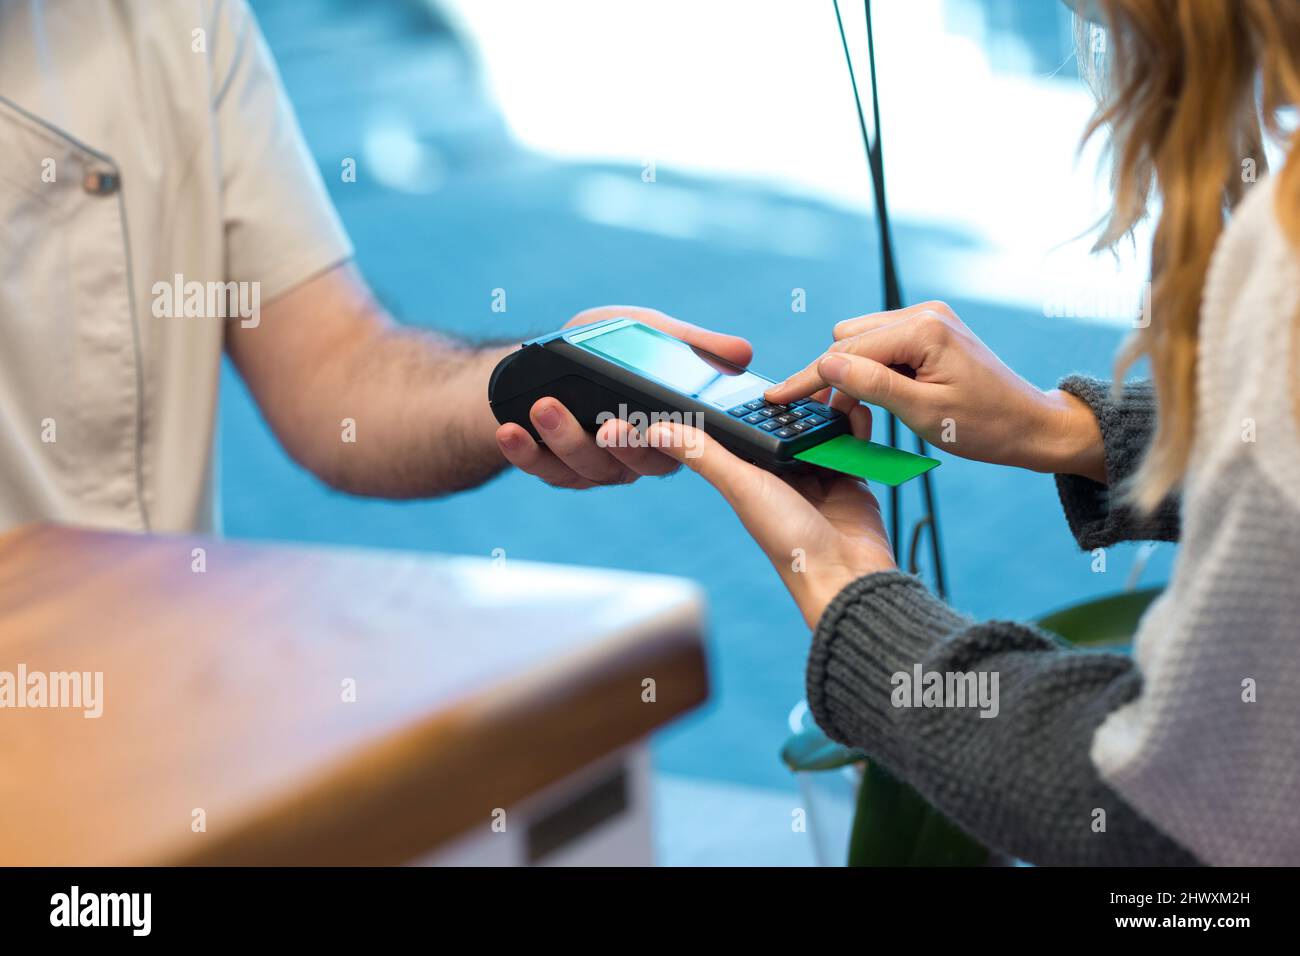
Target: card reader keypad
{"type": "Point", "coordinates": [785, 421]}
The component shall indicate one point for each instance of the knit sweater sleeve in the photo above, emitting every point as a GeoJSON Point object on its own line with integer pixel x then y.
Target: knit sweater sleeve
{"type": "Point", "coordinates": [1014, 771]}
{"type": "Point", "coordinates": [1127, 424]}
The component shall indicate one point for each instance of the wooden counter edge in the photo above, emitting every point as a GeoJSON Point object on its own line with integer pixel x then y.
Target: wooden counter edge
{"type": "Point", "coordinates": [438, 779]}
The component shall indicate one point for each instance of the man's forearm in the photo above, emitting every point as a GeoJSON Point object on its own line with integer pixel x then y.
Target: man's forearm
{"type": "Point", "coordinates": [367, 405]}
{"type": "Point", "coordinates": [408, 415]}
{"type": "Point", "coordinates": [379, 409]}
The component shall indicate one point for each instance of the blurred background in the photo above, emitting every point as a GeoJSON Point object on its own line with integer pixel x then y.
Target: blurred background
{"type": "Point", "coordinates": [704, 158]}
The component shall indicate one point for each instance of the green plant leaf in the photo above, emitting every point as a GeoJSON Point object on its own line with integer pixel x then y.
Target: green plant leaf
{"type": "Point", "coordinates": [894, 826]}
{"type": "Point", "coordinates": [811, 749]}
{"type": "Point", "coordinates": [1110, 621]}
{"type": "Point", "coordinates": [942, 843]}
{"type": "Point", "coordinates": [887, 820]}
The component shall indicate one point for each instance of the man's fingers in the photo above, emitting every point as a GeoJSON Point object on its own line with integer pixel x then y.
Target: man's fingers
{"type": "Point", "coordinates": [528, 456]}
{"type": "Point", "coordinates": [574, 446]}
{"type": "Point", "coordinates": [629, 450]}
{"type": "Point", "coordinates": [734, 349]}
{"type": "Point", "coordinates": [632, 448]}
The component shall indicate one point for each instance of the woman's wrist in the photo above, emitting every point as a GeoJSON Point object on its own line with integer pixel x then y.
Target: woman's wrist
{"type": "Point", "coordinates": [814, 592]}
{"type": "Point", "coordinates": [1067, 439]}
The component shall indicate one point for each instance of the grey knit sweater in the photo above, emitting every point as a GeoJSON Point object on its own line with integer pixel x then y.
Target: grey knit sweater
{"type": "Point", "coordinates": [1020, 781]}
{"type": "Point", "coordinates": [1188, 751]}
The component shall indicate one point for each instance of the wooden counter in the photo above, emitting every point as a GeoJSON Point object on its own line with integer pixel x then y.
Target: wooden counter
{"type": "Point", "coordinates": [312, 705]}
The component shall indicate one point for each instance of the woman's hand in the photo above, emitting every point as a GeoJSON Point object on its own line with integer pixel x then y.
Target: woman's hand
{"type": "Point", "coordinates": [963, 398]}
{"type": "Point", "coordinates": [571, 457]}
{"type": "Point", "coordinates": [820, 531]}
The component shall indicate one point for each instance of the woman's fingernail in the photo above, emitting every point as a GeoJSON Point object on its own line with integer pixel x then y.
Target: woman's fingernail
{"type": "Point", "coordinates": [548, 417]}
{"type": "Point", "coordinates": [510, 440]}
{"type": "Point", "coordinates": [833, 368]}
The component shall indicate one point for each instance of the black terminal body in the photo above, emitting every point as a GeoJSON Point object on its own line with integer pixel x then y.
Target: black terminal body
{"type": "Point", "coordinates": [626, 369]}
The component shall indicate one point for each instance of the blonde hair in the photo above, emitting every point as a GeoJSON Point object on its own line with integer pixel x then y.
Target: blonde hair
{"type": "Point", "coordinates": [1187, 89]}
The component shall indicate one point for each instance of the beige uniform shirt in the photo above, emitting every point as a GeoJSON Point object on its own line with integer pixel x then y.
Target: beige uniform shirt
{"type": "Point", "coordinates": [146, 146]}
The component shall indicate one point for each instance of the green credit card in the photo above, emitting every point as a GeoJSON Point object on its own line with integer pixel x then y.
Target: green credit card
{"type": "Point", "coordinates": [867, 459]}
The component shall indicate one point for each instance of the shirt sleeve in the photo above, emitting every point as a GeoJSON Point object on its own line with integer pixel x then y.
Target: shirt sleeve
{"type": "Point", "coordinates": [280, 226]}
{"type": "Point", "coordinates": [1127, 422]}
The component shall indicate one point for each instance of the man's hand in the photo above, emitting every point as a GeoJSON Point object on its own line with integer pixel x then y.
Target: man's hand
{"type": "Point", "coordinates": [376, 408]}
{"type": "Point", "coordinates": [572, 457]}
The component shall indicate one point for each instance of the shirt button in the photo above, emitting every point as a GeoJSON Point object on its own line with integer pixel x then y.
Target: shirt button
{"type": "Point", "coordinates": [101, 183]}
